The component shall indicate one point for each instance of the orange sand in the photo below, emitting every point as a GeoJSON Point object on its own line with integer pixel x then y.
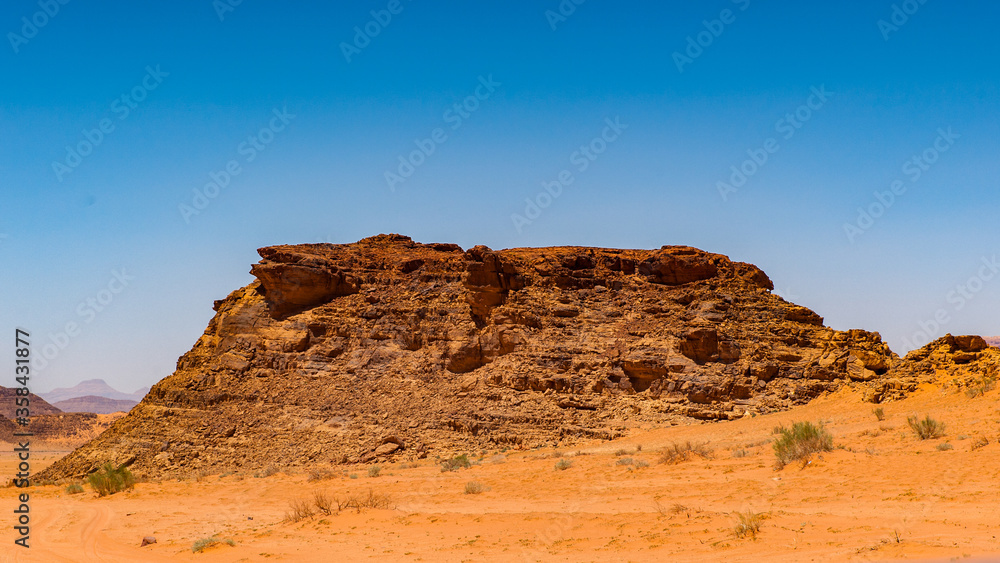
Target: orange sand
{"type": "Point", "coordinates": [874, 498]}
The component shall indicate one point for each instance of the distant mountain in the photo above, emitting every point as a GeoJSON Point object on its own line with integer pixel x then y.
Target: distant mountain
{"type": "Point", "coordinates": [992, 340]}
{"type": "Point", "coordinates": [95, 404]}
{"type": "Point", "coordinates": [93, 388]}
{"type": "Point", "coordinates": [37, 405]}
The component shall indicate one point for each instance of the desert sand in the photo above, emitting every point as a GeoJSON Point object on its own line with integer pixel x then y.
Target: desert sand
{"type": "Point", "coordinates": [881, 494]}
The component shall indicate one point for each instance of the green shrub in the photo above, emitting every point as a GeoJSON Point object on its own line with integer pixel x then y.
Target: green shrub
{"type": "Point", "coordinates": [109, 480]}
{"type": "Point", "coordinates": [926, 428]}
{"type": "Point", "coordinates": [563, 464]}
{"type": "Point", "coordinates": [456, 463]}
{"type": "Point", "coordinates": [374, 471]}
{"type": "Point", "coordinates": [74, 489]}
{"type": "Point", "coordinates": [800, 441]}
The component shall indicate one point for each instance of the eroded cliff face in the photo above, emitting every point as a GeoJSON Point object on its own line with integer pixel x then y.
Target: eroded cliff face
{"type": "Point", "coordinates": [392, 349]}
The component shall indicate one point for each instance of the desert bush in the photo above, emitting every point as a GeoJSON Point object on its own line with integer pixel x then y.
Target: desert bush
{"type": "Point", "coordinates": [641, 463]}
{"type": "Point", "coordinates": [474, 488]}
{"type": "Point", "coordinates": [944, 447]}
{"type": "Point", "coordinates": [298, 509]}
{"type": "Point", "coordinates": [980, 387]}
{"type": "Point", "coordinates": [456, 463]}
{"type": "Point", "coordinates": [676, 453]}
{"type": "Point", "coordinates": [800, 441]}
{"type": "Point", "coordinates": [352, 476]}
{"type": "Point", "coordinates": [323, 503]}
{"type": "Point", "coordinates": [374, 471]}
{"type": "Point", "coordinates": [739, 453]}
{"type": "Point", "coordinates": [320, 474]}
{"type": "Point", "coordinates": [926, 428]}
{"type": "Point", "coordinates": [747, 524]}
{"type": "Point", "coordinates": [625, 461]}
{"type": "Point", "coordinates": [109, 480]}
{"type": "Point", "coordinates": [370, 500]}
{"type": "Point", "coordinates": [563, 464]}
{"type": "Point", "coordinates": [879, 413]}
{"type": "Point", "coordinates": [205, 543]}
{"type": "Point", "coordinates": [74, 489]}
{"type": "Point", "coordinates": [979, 443]}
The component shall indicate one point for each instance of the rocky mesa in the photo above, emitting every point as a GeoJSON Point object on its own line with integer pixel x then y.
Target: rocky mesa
{"type": "Point", "coordinates": [392, 349]}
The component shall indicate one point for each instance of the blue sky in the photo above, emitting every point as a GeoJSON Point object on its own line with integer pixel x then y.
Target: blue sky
{"type": "Point", "coordinates": [199, 88]}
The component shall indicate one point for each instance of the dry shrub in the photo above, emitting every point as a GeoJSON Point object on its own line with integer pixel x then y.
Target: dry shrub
{"type": "Point", "coordinates": [676, 453]}
{"type": "Point", "coordinates": [747, 524]}
{"type": "Point", "coordinates": [205, 543]}
{"type": "Point", "coordinates": [927, 428]}
{"type": "Point", "coordinates": [475, 488]}
{"type": "Point", "coordinates": [298, 509]}
{"type": "Point", "coordinates": [321, 474]}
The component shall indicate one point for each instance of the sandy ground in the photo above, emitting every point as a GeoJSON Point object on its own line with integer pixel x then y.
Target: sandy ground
{"type": "Point", "coordinates": [881, 494]}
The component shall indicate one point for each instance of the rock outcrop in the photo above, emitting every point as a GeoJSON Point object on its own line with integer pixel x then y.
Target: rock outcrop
{"type": "Point", "coordinates": [392, 349]}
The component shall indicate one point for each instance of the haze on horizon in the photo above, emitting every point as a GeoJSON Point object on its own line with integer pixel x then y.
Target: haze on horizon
{"type": "Point", "coordinates": [849, 150]}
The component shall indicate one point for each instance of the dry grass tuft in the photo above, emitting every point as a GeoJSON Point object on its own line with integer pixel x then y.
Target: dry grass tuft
{"type": "Point", "coordinates": [676, 453]}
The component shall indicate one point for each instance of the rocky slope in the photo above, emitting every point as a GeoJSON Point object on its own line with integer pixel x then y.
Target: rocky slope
{"type": "Point", "coordinates": [391, 349]}
{"type": "Point", "coordinates": [36, 404]}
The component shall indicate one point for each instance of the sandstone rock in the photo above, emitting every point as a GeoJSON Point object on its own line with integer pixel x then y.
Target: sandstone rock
{"type": "Point", "coordinates": [335, 347]}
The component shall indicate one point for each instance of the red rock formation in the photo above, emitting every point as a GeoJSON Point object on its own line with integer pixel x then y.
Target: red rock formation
{"type": "Point", "coordinates": [388, 348]}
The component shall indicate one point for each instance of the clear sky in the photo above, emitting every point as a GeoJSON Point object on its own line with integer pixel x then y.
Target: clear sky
{"type": "Point", "coordinates": [113, 113]}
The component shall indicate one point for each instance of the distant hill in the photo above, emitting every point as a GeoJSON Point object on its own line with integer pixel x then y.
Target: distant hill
{"type": "Point", "coordinates": [37, 404]}
{"type": "Point", "coordinates": [93, 388]}
{"type": "Point", "coordinates": [992, 340]}
{"type": "Point", "coordinates": [95, 404]}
